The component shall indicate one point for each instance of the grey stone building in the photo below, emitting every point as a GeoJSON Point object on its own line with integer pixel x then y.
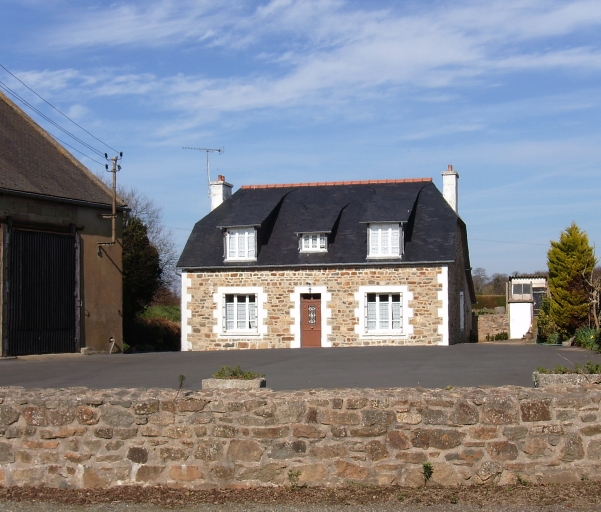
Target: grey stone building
{"type": "Point", "coordinates": [367, 263]}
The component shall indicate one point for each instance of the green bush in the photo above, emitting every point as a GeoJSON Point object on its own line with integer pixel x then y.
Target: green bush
{"type": "Point", "coordinates": [225, 372]}
{"type": "Point", "coordinates": [497, 337]}
{"type": "Point", "coordinates": [589, 368]}
{"type": "Point", "coordinates": [545, 327]}
{"type": "Point", "coordinates": [588, 338]}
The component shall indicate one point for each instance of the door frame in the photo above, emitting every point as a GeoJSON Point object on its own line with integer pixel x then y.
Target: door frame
{"type": "Point", "coordinates": [295, 314]}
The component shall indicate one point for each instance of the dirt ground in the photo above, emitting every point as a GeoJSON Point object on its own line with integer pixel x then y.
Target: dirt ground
{"type": "Point", "coordinates": [578, 495]}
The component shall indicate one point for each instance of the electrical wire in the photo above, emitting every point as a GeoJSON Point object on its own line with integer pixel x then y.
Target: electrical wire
{"type": "Point", "coordinates": [74, 149]}
{"type": "Point", "coordinates": [41, 114]}
{"type": "Point", "coordinates": [64, 115]}
{"type": "Point", "coordinates": [506, 242]}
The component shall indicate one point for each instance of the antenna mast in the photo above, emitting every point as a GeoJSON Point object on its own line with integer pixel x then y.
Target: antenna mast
{"type": "Point", "coordinates": [208, 150]}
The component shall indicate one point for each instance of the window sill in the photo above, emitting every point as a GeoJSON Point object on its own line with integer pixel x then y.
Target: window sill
{"type": "Point", "coordinates": [381, 334]}
{"type": "Point", "coordinates": [388, 257]}
{"type": "Point", "coordinates": [238, 260]}
{"type": "Point", "coordinates": [239, 334]}
{"type": "Point", "coordinates": [306, 251]}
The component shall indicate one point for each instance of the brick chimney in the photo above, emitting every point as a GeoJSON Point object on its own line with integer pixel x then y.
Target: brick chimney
{"type": "Point", "coordinates": [450, 179]}
{"type": "Point", "coordinates": [220, 191]}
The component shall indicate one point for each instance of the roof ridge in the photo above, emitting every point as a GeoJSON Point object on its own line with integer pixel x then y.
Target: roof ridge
{"type": "Point", "coordinates": [331, 183]}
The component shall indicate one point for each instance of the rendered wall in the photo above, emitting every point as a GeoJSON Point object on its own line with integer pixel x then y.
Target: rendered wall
{"type": "Point", "coordinates": [79, 438]}
{"type": "Point", "coordinates": [101, 271]}
{"type": "Point", "coordinates": [280, 289]}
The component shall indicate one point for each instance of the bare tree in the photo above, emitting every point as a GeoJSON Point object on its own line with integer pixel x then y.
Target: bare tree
{"type": "Point", "coordinates": [479, 278]}
{"type": "Point", "coordinates": [161, 237]}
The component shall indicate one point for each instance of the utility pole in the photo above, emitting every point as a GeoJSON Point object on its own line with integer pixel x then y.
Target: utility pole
{"type": "Point", "coordinates": [113, 215]}
{"type": "Point", "coordinates": [208, 150]}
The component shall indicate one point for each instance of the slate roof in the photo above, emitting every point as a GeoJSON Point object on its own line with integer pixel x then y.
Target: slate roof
{"type": "Point", "coordinates": [32, 162]}
{"type": "Point", "coordinates": [341, 209]}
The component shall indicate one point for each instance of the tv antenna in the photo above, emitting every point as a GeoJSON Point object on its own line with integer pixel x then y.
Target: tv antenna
{"type": "Point", "coordinates": [208, 150]}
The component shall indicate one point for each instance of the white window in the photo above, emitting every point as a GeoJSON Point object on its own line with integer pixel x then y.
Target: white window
{"type": "Point", "coordinates": [241, 244]}
{"type": "Point", "coordinates": [240, 313]}
{"type": "Point", "coordinates": [383, 312]}
{"type": "Point", "coordinates": [314, 242]}
{"type": "Point", "coordinates": [521, 291]}
{"type": "Point", "coordinates": [384, 240]}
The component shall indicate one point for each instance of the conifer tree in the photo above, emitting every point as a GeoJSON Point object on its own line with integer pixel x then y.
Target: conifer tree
{"type": "Point", "coordinates": [569, 260]}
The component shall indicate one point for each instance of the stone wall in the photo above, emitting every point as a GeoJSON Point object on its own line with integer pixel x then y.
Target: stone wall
{"type": "Point", "coordinates": [492, 324]}
{"type": "Point", "coordinates": [201, 330]}
{"type": "Point", "coordinates": [79, 438]}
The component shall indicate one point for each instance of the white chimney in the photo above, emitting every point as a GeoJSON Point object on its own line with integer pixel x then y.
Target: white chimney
{"type": "Point", "coordinates": [450, 180]}
{"type": "Point", "coordinates": [220, 191]}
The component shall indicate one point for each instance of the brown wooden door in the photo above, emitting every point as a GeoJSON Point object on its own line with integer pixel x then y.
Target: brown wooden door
{"type": "Point", "coordinates": [311, 320]}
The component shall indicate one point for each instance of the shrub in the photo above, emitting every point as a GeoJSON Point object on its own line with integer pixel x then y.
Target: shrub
{"type": "Point", "coordinates": [225, 372]}
{"type": "Point", "coordinates": [588, 338]}
{"type": "Point", "coordinates": [489, 302]}
{"type": "Point", "coordinates": [545, 326]}
{"type": "Point", "coordinates": [589, 368]}
{"type": "Point", "coordinates": [152, 334]}
{"type": "Point", "coordinates": [497, 337]}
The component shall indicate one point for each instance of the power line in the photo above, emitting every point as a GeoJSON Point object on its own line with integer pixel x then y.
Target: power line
{"type": "Point", "coordinates": [505, 242]}
{"type": "Point", "coordinates": [83, 143]}
{"type": "Point", "coordinates": [64, 115]}
{"type": "Point", "coordinates": [74, 149]}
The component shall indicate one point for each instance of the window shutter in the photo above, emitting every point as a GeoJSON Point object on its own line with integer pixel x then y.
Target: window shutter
{"type": "Point", "coordinates": [371, 315]}
{"type": "Point", "coordinates": [232, 238]}
{"type": "Point", "coordinates": [372, 233]}
{"type": "Point", "coordinates": [395, 250]}
{"type": "Point", "coordinates": [229, 315]}
{"type": "Point", "coordinates": [396, 315]}
{"type": "Point", "coordinates": [252, 313]}
{"type": "Point", "coordinates": [252, 251]}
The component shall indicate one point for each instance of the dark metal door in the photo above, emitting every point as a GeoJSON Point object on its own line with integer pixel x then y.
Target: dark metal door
{"type": "Point", "coordinates": [41, 293]}
{"type": "Point", "coordinates": [311, 320]}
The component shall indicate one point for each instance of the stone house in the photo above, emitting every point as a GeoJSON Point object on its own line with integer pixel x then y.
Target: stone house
{"type": "Point", "coordinates": [364, 263]}
{"type": "Point", "coordinates": [60, 290]}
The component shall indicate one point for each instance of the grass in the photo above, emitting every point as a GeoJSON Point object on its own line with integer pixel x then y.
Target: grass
{"type": "Point", "coordinates": [171, 313]}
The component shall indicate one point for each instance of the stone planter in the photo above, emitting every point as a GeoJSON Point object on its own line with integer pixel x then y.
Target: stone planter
{"type": "Point", "coordinates": [251, 384]}
{"type": "Point", "coordinates": [542, 380]}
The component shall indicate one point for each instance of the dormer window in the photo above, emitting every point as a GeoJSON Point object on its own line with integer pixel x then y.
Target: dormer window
{"type": "Point", "coordinates": [314, 242]}
{"type": "Point", "coordinates": [384, 240]}
{"type": "Point", "coordinates": [241, 244]}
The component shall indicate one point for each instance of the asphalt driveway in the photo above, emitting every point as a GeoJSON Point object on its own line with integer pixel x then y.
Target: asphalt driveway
{"type": "Point", "coordinates": [377, 367]}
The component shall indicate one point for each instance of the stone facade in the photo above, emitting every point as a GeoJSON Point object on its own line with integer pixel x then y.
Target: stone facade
{"type": "Point", "coordinates": [281, 289]}
{"type": "Point", "coordinates": [80, 438]}
{"type": "Point", "coordinates": [492, 324]}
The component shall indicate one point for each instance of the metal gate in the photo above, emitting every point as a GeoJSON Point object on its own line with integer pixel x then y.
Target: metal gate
{"type": "Point", "coordinates": [42, 293]}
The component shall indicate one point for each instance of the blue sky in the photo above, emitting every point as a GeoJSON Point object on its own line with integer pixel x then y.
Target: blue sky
{"type": "Point", "coordinates": [329, 90]}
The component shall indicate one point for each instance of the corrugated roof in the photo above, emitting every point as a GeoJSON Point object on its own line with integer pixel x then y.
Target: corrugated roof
{"type": "Point", "coordinates": [31, 161]}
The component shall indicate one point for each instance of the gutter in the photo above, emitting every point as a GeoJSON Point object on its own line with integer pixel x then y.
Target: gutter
{"type": "Point", "coordinates": [318, 265]}
{"type": "Point", "coordinates": [55, 199]}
